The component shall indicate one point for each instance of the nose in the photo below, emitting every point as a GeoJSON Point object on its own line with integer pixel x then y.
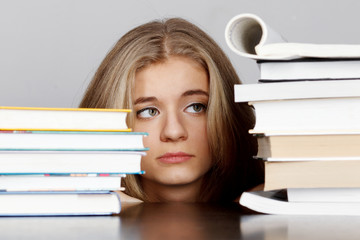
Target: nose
{"type": "Point", "coordinates": [174, 128]}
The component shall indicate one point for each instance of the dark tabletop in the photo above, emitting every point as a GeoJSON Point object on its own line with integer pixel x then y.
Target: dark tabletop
{"type": "Point", "coordinates": [182, 221]}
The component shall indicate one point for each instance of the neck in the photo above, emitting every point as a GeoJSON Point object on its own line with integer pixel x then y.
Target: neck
{"type": "Point", "coordinates": [157, 192]}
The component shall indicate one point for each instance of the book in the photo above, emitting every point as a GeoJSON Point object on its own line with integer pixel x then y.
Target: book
{"type": "Point", "coordinates": [59, 203]}
{"type": "Point", "coordinates": [68, 140]}
{"type": "Point", "coordinates": [249, 36]}
{"type": "Point", "coordinates": [73, 119]}
{"type": "Point", "coordinates": [327, 115]}
{"type": "Point", "coordinates": [296, 90]}
{"type": "Point", "coordinates": [269, 202]}
{"type": "Point", "coordinates": [323, 195]}
{"type": "Point", "coordinates": [309, 145]}
{"type": "Point", "coordinates": [309, 69]}
{"type": "Point", "coordinates": [61, 182]}
{"type": "Point", "coordinates": [325, 173]}
{"type": "Point", "coordinates": [88, 162]}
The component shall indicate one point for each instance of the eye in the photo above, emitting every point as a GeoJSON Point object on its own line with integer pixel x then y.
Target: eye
{"type": "Point", "coordinates": [196, 108]}
{"type": "Point", "coordinates": [147, 112]}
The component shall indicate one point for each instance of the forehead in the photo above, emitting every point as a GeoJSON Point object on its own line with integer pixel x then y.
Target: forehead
{"type": "Point", "coordinates": [172, 77]}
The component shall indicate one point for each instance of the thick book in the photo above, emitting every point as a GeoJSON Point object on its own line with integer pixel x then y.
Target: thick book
{"type": "Point", "coordinates": [61, 182]}
{"type": "Point", "coordinates": [296, 90]}
{"type": "Point", "coordinates": [326, 115]}
{"type": "Point", "coordinates": [59, 203]}
{"type": "Point", "coordinates": [323, 195]}
{"type": "Point", "coordinates": [309, 69]}
{"type": "Point", "coordinates": [312, 173]}
{"type": "Point", "coordinates": [270, 202]}
{"type": "Point", "coordinates": [68, 140]}
{"type": "Point", "coordinates": [249, 36]}
{"type": "Point", "coordinates": [72, 119]}
{"type": "Point", "coordinates": [87, 162]}
{"type": "Point", "coordinates": [308, 145]}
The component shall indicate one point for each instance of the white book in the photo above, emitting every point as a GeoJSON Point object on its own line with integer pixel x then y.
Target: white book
{"type": "Point", "coordinates": [323, 195]}
{"type": "Point", "coordinates": [68, 140]}
{"type": "Point", "coordinates": [249, 36]}
{"type": "Point", "coordinates": [296, 90]}
{"type": "Point", "coordinates": [59, 203]}
{"type": "Point", "coordinates": [268, 202]}
{"type": "Point", "coordinates": [50, 162]}
{"type": "Point", "coordinates": [307, 115]}
{"type": "Point", "coordinates": [309, 69]}
{"type": "Point", "coordinates": [65, 182]}
{"type": "Point", "coordinates": [75, 119]}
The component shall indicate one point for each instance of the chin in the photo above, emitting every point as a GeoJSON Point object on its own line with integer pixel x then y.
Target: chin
{"type": "Point", "coordinates": [180, 180]}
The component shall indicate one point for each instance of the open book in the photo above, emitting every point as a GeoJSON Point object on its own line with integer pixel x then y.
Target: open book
{"type": "Point", "coordinates": [249, 36]}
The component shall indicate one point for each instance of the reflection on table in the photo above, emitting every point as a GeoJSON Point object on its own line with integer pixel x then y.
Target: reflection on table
{"type": "Point", "coordinates": [299, 227]}
{"type": "Point", "coordinates": [181, 221]}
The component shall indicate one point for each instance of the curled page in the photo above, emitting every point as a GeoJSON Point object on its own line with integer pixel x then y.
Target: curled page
{"type": "Point", "coordinates": [248, 36]}
{"type": "Point", "coordinates": [245, 33]}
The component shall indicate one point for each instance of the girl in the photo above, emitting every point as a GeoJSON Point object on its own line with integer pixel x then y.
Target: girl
{"type": "Point", "coordinates": [179, 84]}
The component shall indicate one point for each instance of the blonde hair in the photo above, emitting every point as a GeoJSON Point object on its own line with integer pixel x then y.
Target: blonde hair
{"type": "Point", "coordinates": [228, 122]}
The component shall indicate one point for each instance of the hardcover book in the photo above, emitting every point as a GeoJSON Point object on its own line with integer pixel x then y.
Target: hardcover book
{"type": "Point", "coordinates": [50, 162]}
{"type": "Point", "coordinates": [59, 203]}
{"type": "Point", "coordinates": [312, 173]}
{"type": "Point", "coordinates": [302, 146]}
{"type": "Point", "coordinates": [60, 182]}
{"type": "Point", "coordinates": [296, 90]}
{"type": "Point", "coordinates": [68, 140]}
{"type": "Point", "coordinates": [72, 119]}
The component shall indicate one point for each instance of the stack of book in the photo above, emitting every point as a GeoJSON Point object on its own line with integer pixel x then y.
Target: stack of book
{"type": "Point", "coordinates": [56, 161]}
{"type": "Point", "coordinates": [307, 124]}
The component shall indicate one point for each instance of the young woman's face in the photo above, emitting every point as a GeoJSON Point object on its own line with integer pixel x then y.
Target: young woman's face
{"type": "Point", "coordinates": [170, 101]}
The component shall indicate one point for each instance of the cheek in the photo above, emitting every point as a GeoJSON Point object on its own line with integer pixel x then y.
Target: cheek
{"type": "Point", "coordinates": [198, 130]}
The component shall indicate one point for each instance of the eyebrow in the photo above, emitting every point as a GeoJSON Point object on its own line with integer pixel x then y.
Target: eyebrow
{"type": "Point", "coordinates": [144, 100]}
{"type": "Point", "coordinates": [185, 94]}
{"type": "Point", "coordinates": [195, 92]}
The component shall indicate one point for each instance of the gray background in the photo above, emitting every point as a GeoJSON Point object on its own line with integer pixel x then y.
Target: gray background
{"type": "Point", "coordinates": [50, 49]}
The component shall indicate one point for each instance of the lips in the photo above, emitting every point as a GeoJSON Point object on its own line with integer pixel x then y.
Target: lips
{"type": "Point", "coordinates": [177, 157]}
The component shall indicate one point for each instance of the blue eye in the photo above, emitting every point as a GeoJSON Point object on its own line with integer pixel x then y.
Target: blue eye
{"type": "Point", "coordinates": [147, 112]}
{"type": "Point", "coordinates": [196, 108]}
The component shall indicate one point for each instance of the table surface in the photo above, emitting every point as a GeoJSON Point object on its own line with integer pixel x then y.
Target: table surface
{"type": "Point", "coordinates": [182, 221]}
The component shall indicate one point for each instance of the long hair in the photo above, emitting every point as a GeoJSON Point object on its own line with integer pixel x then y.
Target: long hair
{"type": "Point", "coordinates": [231, 146]}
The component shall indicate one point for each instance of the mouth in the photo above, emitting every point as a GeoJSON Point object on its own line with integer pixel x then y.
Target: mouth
{"type": "Point", "coordinates": [176, 157]}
